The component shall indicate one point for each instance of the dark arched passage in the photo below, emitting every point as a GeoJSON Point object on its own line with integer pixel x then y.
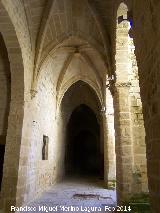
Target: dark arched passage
{"type": "Point", "coordinates": [5, 97]}
{"type": "Point", "coordinates": [83, 155]}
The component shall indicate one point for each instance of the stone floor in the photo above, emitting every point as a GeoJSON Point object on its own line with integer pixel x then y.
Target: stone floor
{"type": "Point", "coordinates": [75, 196]}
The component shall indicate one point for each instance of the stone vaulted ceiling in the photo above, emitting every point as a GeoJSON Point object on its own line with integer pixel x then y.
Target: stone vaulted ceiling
{"type": "Point", "coordinates": [52, 21]}
{"type": "Point", "coordinates": [87, 25]}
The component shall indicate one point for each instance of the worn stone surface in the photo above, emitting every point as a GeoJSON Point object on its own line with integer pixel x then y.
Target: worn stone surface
{"type": "Point", "coordinates": [129, 124]}
{"type": "Point", "coordinates": [79, 193]}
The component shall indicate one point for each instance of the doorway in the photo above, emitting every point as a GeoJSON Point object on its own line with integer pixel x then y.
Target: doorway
{"type": "Point", "coordinates": [83, 155]}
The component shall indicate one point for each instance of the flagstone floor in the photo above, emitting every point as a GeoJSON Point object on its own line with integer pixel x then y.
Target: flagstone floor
{"type": "Point", "coordinates": [75, 195]}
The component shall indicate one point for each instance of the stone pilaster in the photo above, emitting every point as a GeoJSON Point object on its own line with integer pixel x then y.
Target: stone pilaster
{"type": "Point", "coordinates": [110, 137]}
{"type": "Point", "coordinates": [123, 141]}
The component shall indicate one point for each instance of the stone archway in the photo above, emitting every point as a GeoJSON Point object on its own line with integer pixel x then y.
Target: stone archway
{"type": "Point", "coordinates": [15, 113]}
{"type": "Point", "coordinates": [78, 97]}
{"type": "Point", "coordinates": [82, 154]}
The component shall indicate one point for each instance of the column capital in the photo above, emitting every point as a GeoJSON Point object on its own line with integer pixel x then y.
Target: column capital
{"type": "Point", "coordinates": [123, 84]}
{"type": "Point", "coordinates": [112, 85]}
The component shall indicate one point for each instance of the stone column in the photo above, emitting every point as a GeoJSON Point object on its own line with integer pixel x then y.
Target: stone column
{"type": "Point", "coordinates": [103, 148]}
{"type": "Point", "coordinates": [140, 182]}
{"type": "Point", "coordinates": [106, 160]}
{"type": "Point", "coordinates": [123, 141]}
{"type": "Point", "coordinates": [110, 137]}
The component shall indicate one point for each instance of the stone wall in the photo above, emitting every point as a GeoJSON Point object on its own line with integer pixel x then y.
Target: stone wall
{"type": "Point", "coordinates": [140, 181]}
{"type": "Point", "coordinates": [37, 174]}
{"type": "Point", "coordinates": [9, 21]}
{"type": "Point", "coordinates": [146, 31]}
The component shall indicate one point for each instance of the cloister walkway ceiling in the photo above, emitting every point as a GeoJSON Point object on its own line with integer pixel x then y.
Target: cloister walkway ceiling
{"type": "Point", "coordinates": [71, 61]}
{"type": "Point", "coordinates": [60, 20]}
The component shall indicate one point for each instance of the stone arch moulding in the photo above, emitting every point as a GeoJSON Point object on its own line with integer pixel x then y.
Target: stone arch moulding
{"type": "Point", "coordinates": [124, 3]}
{"type": "Point", "coordinates": [52, 50]}
{"type": "Point", "coordinates": [104, 35]}
{"type": "Point", "coordinates": [123, 8]}
{"type": "Point", "coordinates": [72, 81]}
{"type": "Point", "coordinates": [15, 119]}
{"type": "Point", "coordinates": [68, 61]}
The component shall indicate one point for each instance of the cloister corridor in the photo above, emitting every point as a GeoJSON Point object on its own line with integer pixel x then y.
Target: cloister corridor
{"type": "Point", "coordinates": [79, 105]}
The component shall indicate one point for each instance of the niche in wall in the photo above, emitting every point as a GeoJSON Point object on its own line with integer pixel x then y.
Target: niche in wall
{"type": "Point", "coordinates": [45, 147]}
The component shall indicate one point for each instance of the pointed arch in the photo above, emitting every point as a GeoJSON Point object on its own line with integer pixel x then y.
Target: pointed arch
{"type": "Point", "coordinates": [16, 113]}
{"type": "Point", "coordinates": [122, 9]}
{"type": "Point", "coordinates": [76, 79]}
